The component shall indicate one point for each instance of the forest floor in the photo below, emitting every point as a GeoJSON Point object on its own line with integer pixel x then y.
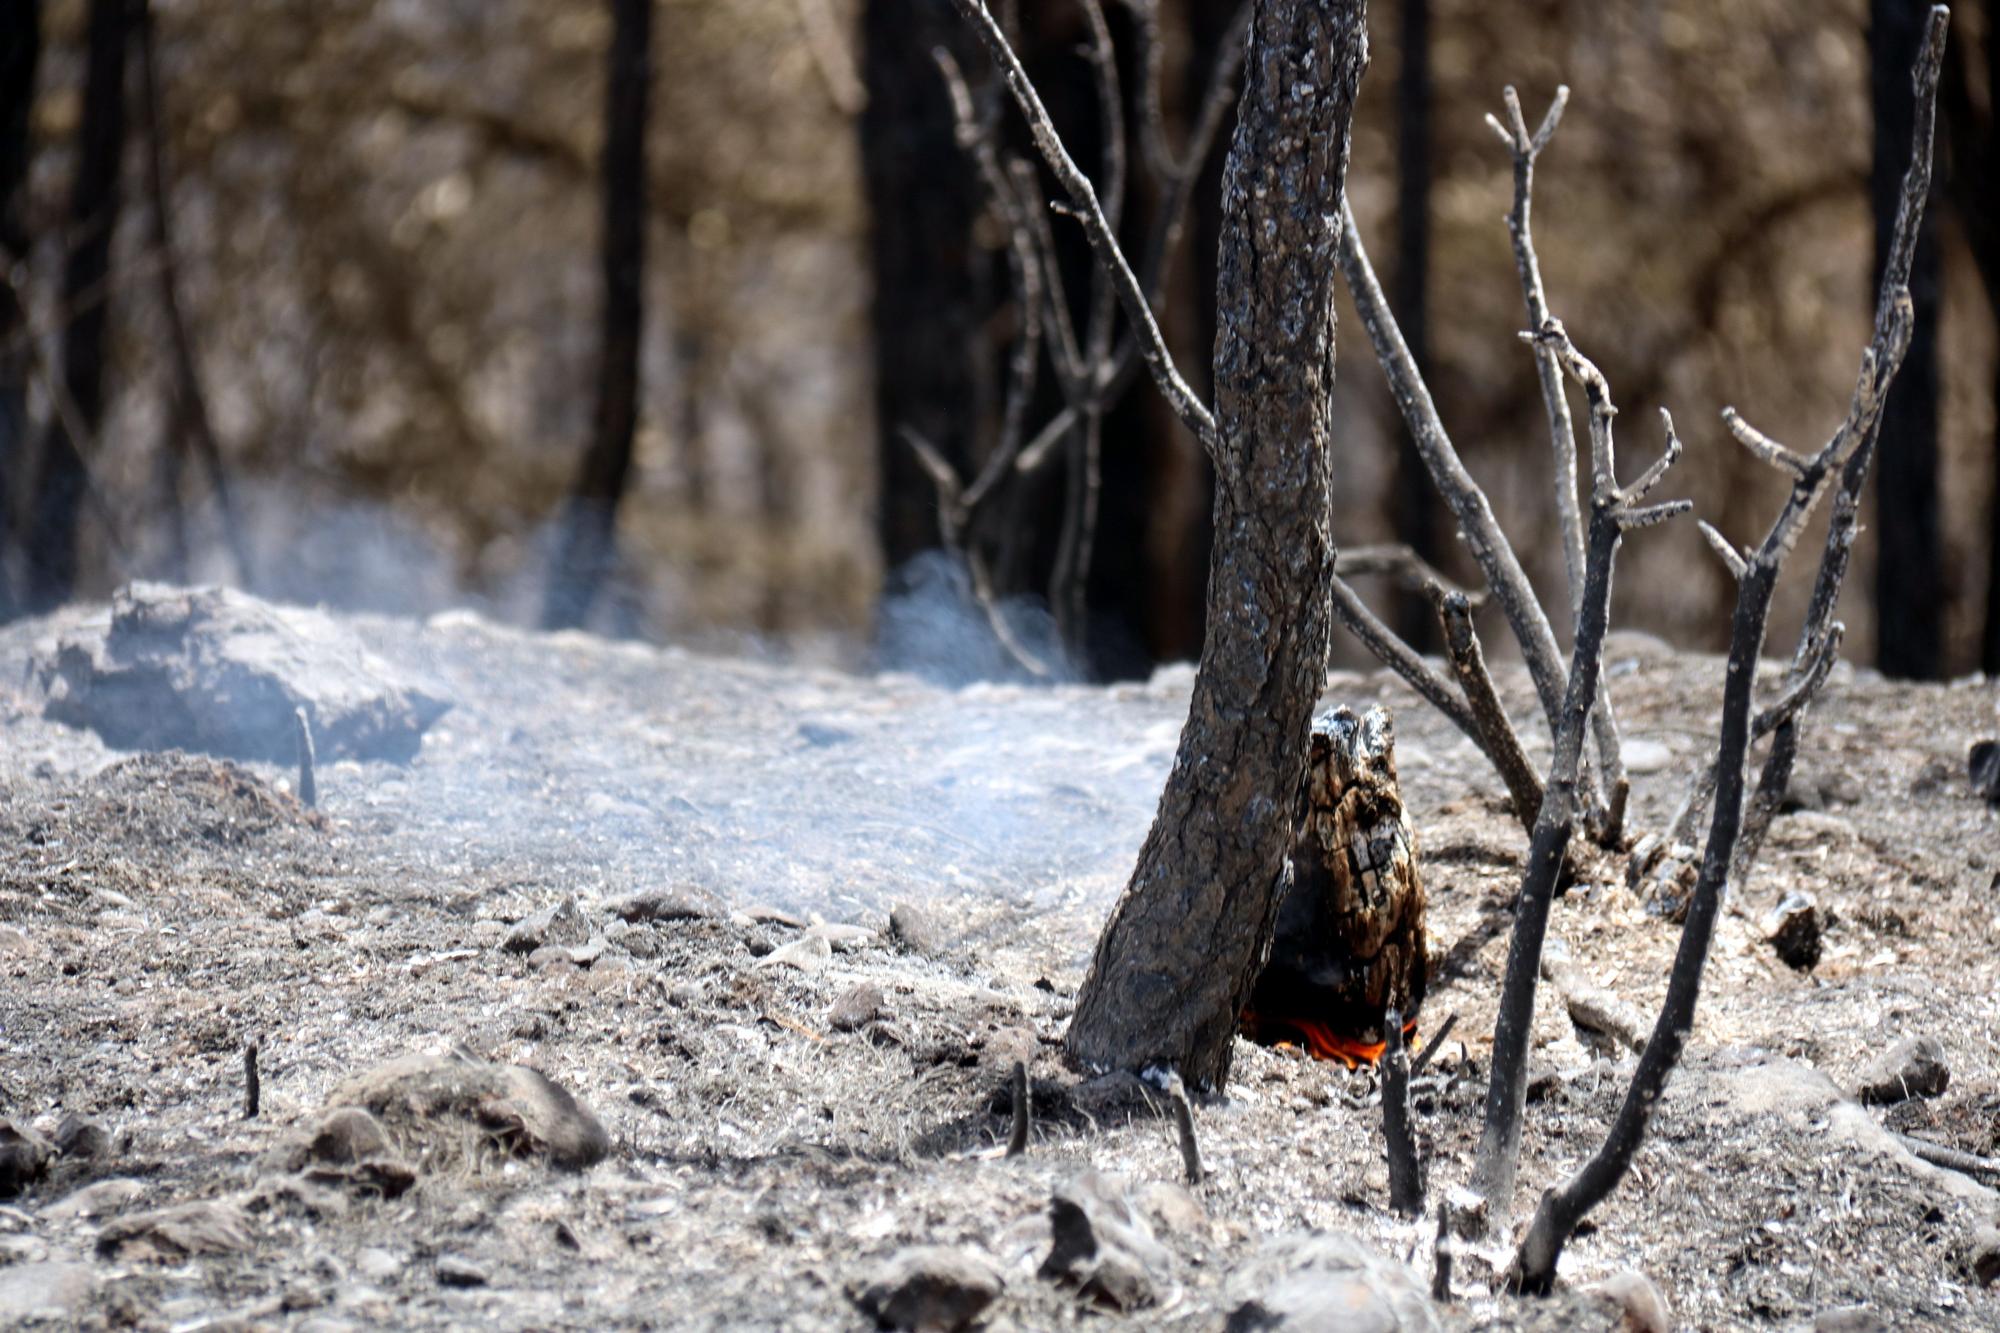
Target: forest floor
{"type": "Point", "coordinates": [160, 911]}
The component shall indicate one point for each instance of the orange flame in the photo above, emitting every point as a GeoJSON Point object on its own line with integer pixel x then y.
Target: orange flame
{"type": "Point", "coordinates": [1316, 1038]}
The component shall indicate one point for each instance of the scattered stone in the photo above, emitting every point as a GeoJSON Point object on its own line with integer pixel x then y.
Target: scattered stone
{"type": "Point", "coordinates": [378, 1265]}
{"type": "Point", "coordinates": [218, 671]}
{"type": "Point", "coordinates": [1645, 756]}
{"type": "Point", "coordinates": [454, 1270]}
{"type": "Point", "coordinates": [930, 1287]}
{"type": "Point", "coordinates": [1641, 1307]}
{"type": "Point", "coordinates": [858, 1007]}
{"type": "Point", "coordinates": [1794, 929]}
{"type": "Point", "coordinates": [764, 914]}
{"type": "Point", "coordinates": [808, 953]}
{"type": "Point", "coordinates": [842, 936]}
{"type": "Point", "coordinates": [24, 1157]}
{"type": "Point", "coordinates": [1005, 1045]}
{"type": "Point", "coordinates": [348, 1135]}
{"type": "Point", "coordinates": [210, 1226]}
{"type": "Point", "coordinates": [677, 902]}
{"type": "Point", "coordinates": [1983, 765]}
{"type": "Point", "coordinates": [80, 1136]}
{"type": "Point", "coordinates": [560, 923]}
{"type": "Point", "coordinates": [1985, 1256]}
{"type": "Point", "coordinates": [423, 1106]}
{"type": "Point", "coordinates": [51, 1289]}
{"type": "Point", "coordinates": [1315, 1282]}
{"type": "Point", "coordinates": [1172, 1209]}
{"type": "Point", "coordinates": [14, 942]}
{"type": "Point", "coordinates": [1101, 1247]}
{"type": "Point", "coordinates": [1913, 1067]}
{"type": "Point", "coordinates": [915, 930]}
{"type": "Point", "coordinates": [819, 735]}
{"type": "Point", "coordinates": [100, 1198]}
{"type": "Point", "coordinates": [1849, 1319]}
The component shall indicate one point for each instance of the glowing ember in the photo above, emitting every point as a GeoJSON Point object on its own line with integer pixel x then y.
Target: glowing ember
{"type": "Point", "coordinates": [1316, 1038]}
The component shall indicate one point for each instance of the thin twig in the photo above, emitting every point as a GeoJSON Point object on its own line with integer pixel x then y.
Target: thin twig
{"type": "Point", "coordinates": [308, 785]}
{"type": "Point", "coordinates": [1433, 1046]}
{"type": "Point", "coordinates": [1399, 657]}
{"type": "Point", "coordinates": [1406, 1178]}
{"type": "Point", "coordinates": [1500, 743]}
{"type": "Point", "coordinates": [252, 1085]}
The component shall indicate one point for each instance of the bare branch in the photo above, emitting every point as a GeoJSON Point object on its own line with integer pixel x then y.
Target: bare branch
{"type": "Point", "coordinates": [1103, 241]}
{"type": "Point", "coordinates": [1562, 1209]}
{"type": "Point", "coordinates": [1499, 740]}
{"type": "Point", "coordinates": [1489, 546]}
{"type": "Point", "coordinates": [1411, 571]}
{"type": "Point", "coordinates": [1399, 657]}
{"type": "Point", "coordinates": [1720, 545]}
{"type": "Point", "coordinates": [1765, 448]}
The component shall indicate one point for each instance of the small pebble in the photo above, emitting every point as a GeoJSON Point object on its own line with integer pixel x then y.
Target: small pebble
{"type": "Point", "coordinates": [457, 1271]}
{"type": "Point", "coordinates": [1913, 1067]}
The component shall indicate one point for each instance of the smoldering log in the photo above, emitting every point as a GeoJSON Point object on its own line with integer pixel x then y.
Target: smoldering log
{"type": "Point", "coordinates": [1350, 941]}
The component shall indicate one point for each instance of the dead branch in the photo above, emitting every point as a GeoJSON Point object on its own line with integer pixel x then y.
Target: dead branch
{"type": "Point", "coordinates": [1411, 572]}
{"type": "Point", "coordinates": [1366, 626]}
{"type": "Point", "coordinates": [1501, 744]}
{"type": "Point", "coordinates": [1435, 1044]}
{"type": "Point", "coordinates": [1406, 1178]}
{"type": "Point", "coordinates": [252, 1085]}
{"type": "Point", "coordinates": [303, 736]}
{"type": "Point", "coordinates": [1563, 1208]}
{"type": "Point", "coordinates": [1489, 546]}
{"type": "Point", "coordinates": [1613, 512]}
{"type": "Point", "coordinates": [1176, 1092]}
{"type": "Point", "coordinates": [1152, 344]}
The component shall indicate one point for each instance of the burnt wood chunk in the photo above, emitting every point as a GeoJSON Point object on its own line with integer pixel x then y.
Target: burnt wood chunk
{"type": "Point", "coordinates": [1350, 941]}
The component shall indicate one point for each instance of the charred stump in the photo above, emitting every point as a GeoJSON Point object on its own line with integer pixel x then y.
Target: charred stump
{"type": "Point", "coordinates": [1350, 941]}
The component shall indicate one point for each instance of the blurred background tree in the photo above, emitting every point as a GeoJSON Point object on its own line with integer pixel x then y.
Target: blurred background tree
{"type": "Point", "coordinates": [380, 227]}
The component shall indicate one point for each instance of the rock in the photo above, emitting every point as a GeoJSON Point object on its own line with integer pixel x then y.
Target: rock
{"type": "Point", "coordinates": [80, 1136]}
{"type": "Point", "coordinates": [764, 914]}
{"type": "Point", "coordinates": [858, 1007]}
{"type": "Point", "coordinates": [1985, 1255]}
{"type": "Point", "coordinates": [348, 1135]}
{"type": "Point", "coordinates": [842, 936]}
{"type": "Point", "coordinates": [1644, 756]}
{"type": "Point", "coordinates": [1005, 1045]}
{"type": "Point", "coordinates": [1172, 1209]}
{"type": "Point", "coordinates": [14, 943]}
{"type": "Point", "coordinates": [100, 1198]}
{"type": "Point", "coordinates": [24, 1157]}
{"type": "Point", "coordinates": [378, 1265]}
{"type": "Point", "coordinates": [454, 1270]}
{"type": "Point", "coordinates": [1849, 1319]}
{"type": "Point", "coordinates": [1101, 1247]}
{"type": "Point", "coordinates": [1314, 1282]}
{"type": "Point", "coordinates": [51, 1289]}
{"type": "Point", "coordinates": [915, 930]}
{"type": "Point", "coordinates": [560, 923]}
{"type": "Point", "coordinates": [1913, 1067]}
{"type": "Point", "coordinates": [211, 1226]}
{"type": "Point", "coordinates": [1794, 929]}
{"type": "Point", "coordinates": [425, 1104]}
{"type": "Point", "coordinates": [930, 1287]}
{"type": "Point", "coordinates": [665, 903]}
{"type": "Point", "coordinates": [1982, 764]}
{"type": "Point", "coordinates": [808, 953]}
{"type": "Point", "coordinates": [218, 671]}
{"type": "Point", "coordinates": [1641, 1307]}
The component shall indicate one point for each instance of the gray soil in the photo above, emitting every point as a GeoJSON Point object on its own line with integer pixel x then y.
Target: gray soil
{"type": "Point", "coordinates": [160, 911]}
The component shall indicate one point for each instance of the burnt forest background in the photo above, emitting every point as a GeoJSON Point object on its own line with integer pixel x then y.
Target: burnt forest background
{"type": "Point", "coordinates": [624, 314]}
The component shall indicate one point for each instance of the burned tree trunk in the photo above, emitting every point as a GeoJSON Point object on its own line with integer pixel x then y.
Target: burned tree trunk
{"type": "Point", "coordinates": [86, 303]}
{"type": "Point", "coordinates": [1909, 573]}
{"type": "Point", "coordinates": [20, 53]}
{"type": "Point", "coordinates": [1178, 957]}
{"type": "Point", "coordinates": [1416, 519]}
{"type": "Point", "coordinates": [584, 554]}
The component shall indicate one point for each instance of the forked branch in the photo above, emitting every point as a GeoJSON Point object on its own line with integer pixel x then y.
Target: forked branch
{"type": "Point", "coordinates": [1563, 1208]}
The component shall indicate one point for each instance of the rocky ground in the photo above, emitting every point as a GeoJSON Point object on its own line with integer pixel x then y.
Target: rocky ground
{"type": "Point", "coordinates": [784, 934]}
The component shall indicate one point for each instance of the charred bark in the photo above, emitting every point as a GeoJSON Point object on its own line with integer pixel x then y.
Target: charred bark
{"type": "Point", "coordinates": [931, 281]}
{"type": "Point", "coordinates": [586, 547]}
{"type": "Point", "coordinates": [62, 479]}
{"type": "Point", "coordinates": [1179, 955]}
{"type": "Point", "coordinates": [1416, 515]}
{"type": "Point", "coordinates": [1909, 571]}
{"type": "Point", "coordinates": [20, 53]}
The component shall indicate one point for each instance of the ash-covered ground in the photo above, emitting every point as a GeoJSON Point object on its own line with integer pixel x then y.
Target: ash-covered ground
{"type": "Point", "coordinates": [779, 1129]}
